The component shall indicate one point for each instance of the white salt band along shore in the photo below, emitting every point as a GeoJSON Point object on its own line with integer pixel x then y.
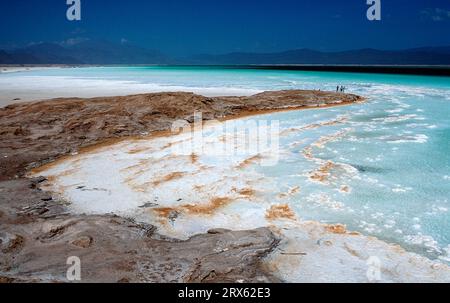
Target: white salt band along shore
{"type": "Point", "coordinates": [186, 191]}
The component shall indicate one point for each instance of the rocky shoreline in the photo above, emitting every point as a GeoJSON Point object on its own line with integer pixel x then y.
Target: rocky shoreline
{"type": "Point", "coordinates": [38, 234]}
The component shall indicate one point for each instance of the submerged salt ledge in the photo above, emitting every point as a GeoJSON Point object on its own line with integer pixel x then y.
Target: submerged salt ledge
{"type": "Point", "coordinates": [313, 252]}
{"type": "Point", "coordinates": [187, 194]}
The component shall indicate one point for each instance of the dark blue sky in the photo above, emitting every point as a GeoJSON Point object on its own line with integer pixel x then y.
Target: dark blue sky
{"type": "Point", "coordinates": [180, 27]}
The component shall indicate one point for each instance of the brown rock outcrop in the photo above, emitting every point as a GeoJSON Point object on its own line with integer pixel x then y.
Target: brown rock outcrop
{"type": "Point", "coordinates": [37, 132]}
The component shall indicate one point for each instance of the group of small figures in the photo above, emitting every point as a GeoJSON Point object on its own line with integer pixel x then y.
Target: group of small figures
{"type": "Point", "coordinates": [340, 89]}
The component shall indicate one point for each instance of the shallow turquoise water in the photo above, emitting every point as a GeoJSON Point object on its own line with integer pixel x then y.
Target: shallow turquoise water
{"type": "Point", "coordinates": [101, 81]}
{"type": "Point", "coordinates": [393, 154]}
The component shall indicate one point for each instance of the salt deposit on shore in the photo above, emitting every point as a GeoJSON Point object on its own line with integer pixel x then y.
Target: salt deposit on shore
{"type": "Point", "coordinates": [187, 194]}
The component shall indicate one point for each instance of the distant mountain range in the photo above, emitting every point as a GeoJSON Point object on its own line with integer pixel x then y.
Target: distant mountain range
{"type": "Point", "coordinates": [103, 52]}
{"type": "Point", "coordinates": [418, 56]}
{"type": "Point", "coordinates": [85, 52]}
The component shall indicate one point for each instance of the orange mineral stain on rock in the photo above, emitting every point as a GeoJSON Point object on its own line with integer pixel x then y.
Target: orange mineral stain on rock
{"type": "Point", "coordinates": [196, 209]}
{"type": "Point", "coordinates": [345, 189]}
{"type": "Point", "coordinates": [168, 178]}
{"type": "Point", "coordinates": [137, 169]}
{"type": "Point", "coordinates": [164, 212]}
{"type": "Point", "coordinates": [322, 174]}
{"type": "Point", "coordinates": [207, 209]}
{"type": "Point", "coordinates": [194, 158]}
{"type": "Point", "coordinates": [337, 229]}
{"type": "Point", "coordinates": [146, 186]}
{"type": "Point", "coordinates": [199, 188]}
{"type": "Point", "coordinates": [249, 161]}
{"type": "Point", "coordinates": [52, 180]}
{"type": "Point", "coordinates": [280, 212]}
{"type": "Point", "coordinates": [247, 192]}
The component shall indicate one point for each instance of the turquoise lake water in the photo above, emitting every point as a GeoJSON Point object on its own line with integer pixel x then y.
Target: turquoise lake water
{"type": "Point", "coordinates": [392, 156]}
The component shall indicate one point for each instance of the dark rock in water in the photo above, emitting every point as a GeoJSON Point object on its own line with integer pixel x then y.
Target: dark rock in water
{"type": "Point", "coordinates": [368, 169]}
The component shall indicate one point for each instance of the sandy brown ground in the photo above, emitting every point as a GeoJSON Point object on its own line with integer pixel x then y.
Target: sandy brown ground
{"type": "Point", "coordinates": [37, 234]}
